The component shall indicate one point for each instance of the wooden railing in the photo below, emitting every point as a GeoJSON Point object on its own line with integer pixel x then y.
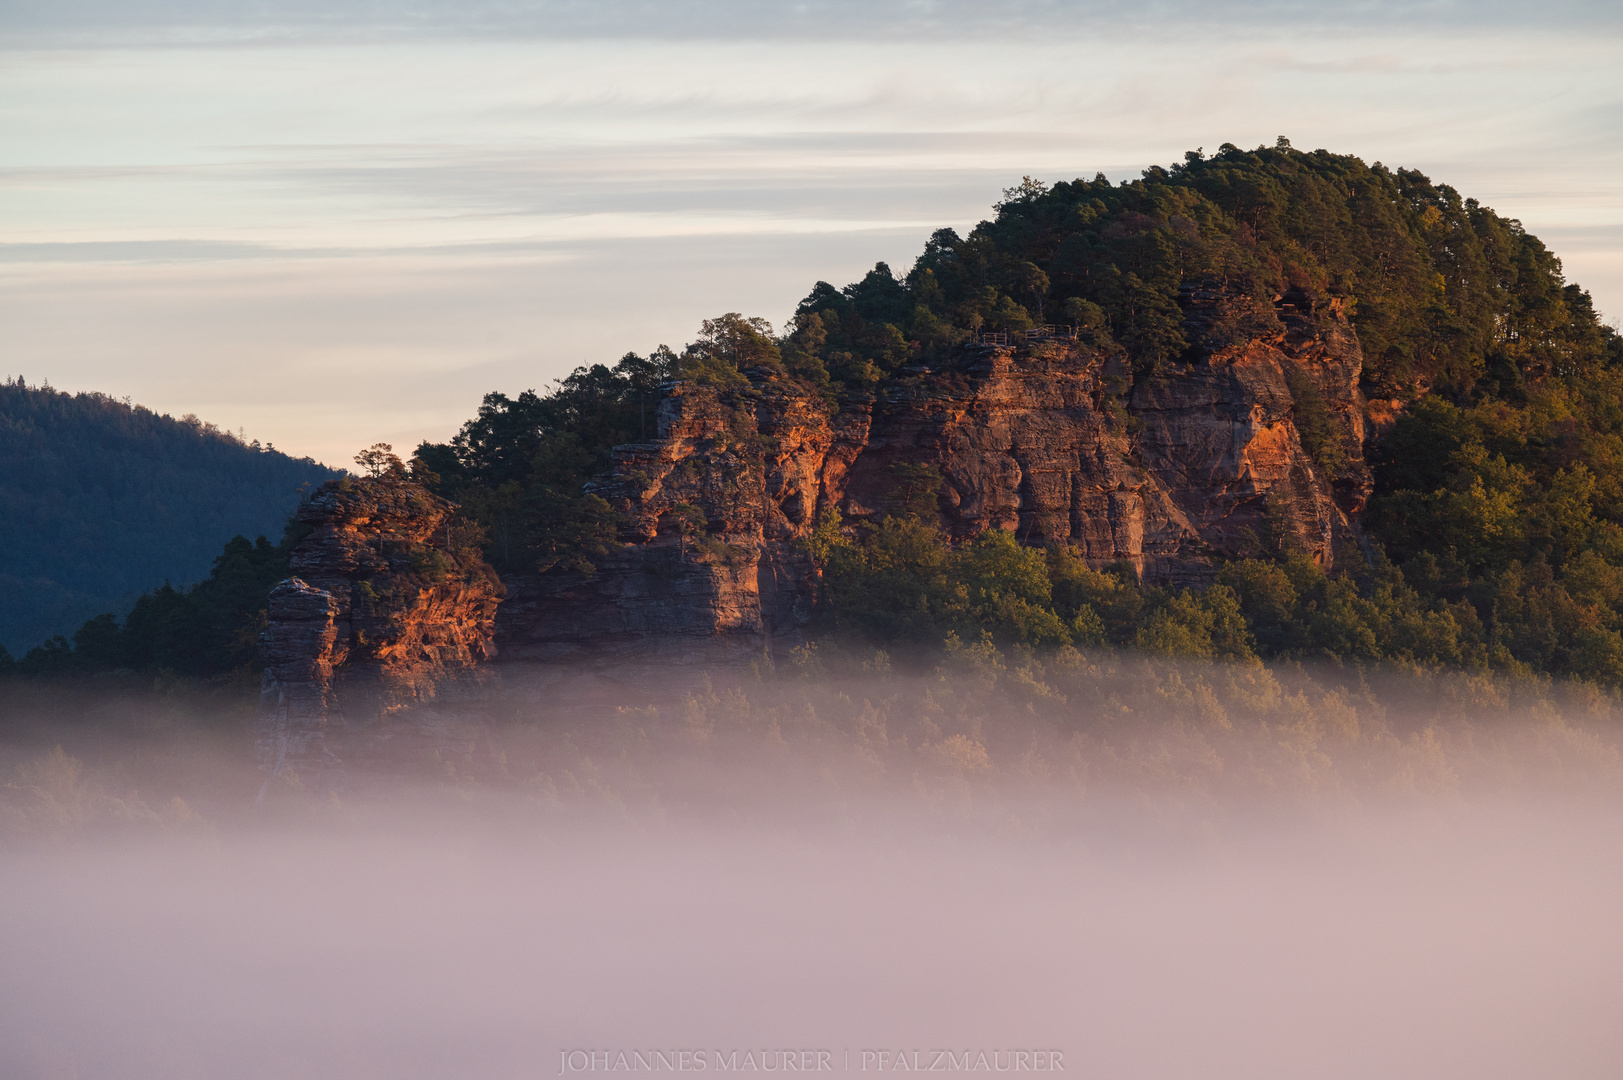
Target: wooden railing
{"type": "Point", "coordinates": [1046, 332]}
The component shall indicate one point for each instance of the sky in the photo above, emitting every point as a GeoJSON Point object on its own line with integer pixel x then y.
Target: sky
{"type": "Point", "coordinates": [327, 225]}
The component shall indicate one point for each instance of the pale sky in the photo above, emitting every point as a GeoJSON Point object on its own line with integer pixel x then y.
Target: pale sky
{"type": "Point", "coordinates": [330, 225]}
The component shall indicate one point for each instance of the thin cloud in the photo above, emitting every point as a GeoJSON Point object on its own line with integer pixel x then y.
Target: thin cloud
{"type": "Point", "coordinates": [542, 203]}
{"type": "Point", "coordinates": [296, 21]}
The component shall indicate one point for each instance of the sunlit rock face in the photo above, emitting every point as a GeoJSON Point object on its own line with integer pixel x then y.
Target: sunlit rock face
{"type": "Point", "coordinates": [1223, 434]}
{"type": "Point", "coordinates": [1057, 439]}
{"type": "Point", "coordinates": [387, 610]}
{"type": "Point", "coordinates": [1253, 438]}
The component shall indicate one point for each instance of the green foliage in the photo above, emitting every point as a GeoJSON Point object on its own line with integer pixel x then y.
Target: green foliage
{"type": "Point", "coordinates": [570, 531]}
{"type": "Point", "coordinates": [1208, 626]}
{"type": "Point", "coordinates": [1314, 424]}
{"type": "Point", "coordinates": [893, 585]}
{"type": "Point", "coordinates": [901, 581]}
{"type": "Point", "coordinates": [209, 630]}
{"type": "Point", "coordinates": [520, 467]}
{"type": "Point", "coordinates": [803, 350]}
{"type": "Point", "coordinates": [1443, 292]}
{"type": "Point", "coordinates": [915, 490]}
{"type": "Point", "coordinates": [826, 539]}
{"type": "Point", "coordinates": [597, 407]}
{"type": "Point", "coordinates": [380, 462]}
{"type": "Point", "coordinates": [1481, 484]}
{"type": "Point", "coordinates": [1507, 508]}
{"type": "Point", "coordinates": [100, 499]}
{"type": "Point", "coordinates": [1295, 609]}
{"type": "Point", "coordinates": [855, 335]}
{"type": "Point", "coordinates": [688, 521]}
{"type": "Point", "coordinates": [727, 347]}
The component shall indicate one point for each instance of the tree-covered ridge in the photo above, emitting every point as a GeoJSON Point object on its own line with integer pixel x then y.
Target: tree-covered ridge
{"type": "Point", "coordinates": [208, 631]}
{"type": "Point", "coordinates": [519, 467]}
{"type": "Point", "coordinates": [903, 585]}
{"type": "Point", "coordinates": [1497, 516]}
{"type": "Point", "coordinates": [101, 500]}
{"type": "Point", "coordinates": [1444, 293]}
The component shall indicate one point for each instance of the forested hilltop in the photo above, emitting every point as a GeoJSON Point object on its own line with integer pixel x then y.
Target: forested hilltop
{"type": "Point", "coordinates": [1467, 481]}
{"type": "Point", "coordinates": [1495, 420]}
{"type": "Point", "coordinates": [101, 501]}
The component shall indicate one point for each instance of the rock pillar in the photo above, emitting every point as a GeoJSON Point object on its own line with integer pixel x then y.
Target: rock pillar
{"type": "Point", "coordinates": [295, 696]}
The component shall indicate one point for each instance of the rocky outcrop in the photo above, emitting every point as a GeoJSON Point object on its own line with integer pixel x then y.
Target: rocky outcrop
{"type": "Point", "coordinates": [296, 693]}
{"type": "Point", "coordinates": [1057, 439]}
{"type": "Point", "coordinates": [389, 608]}
{"type": "Point", "coordinates": [1252, 439]}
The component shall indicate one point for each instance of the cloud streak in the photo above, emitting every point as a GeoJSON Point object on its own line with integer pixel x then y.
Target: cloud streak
{"type": "Point", "coordinates": [686, 20]}
{"type": "Point", "coordinates": [816, 155]}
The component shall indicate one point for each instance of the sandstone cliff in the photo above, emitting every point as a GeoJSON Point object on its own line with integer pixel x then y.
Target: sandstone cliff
{"type": "Point", "coordinates": [1055, 438]}
{"type": "Point", "coordinates": [388, 609]}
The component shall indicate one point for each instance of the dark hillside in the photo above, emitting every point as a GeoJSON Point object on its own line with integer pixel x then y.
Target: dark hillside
{"type": "Point", "coordinates": [101, 500]}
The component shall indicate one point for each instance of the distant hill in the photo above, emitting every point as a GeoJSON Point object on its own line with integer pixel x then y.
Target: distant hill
{"type": "Point", "coordinates": [101, 500]}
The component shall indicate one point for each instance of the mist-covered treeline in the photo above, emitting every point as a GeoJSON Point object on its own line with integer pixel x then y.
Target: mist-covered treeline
{"type": "Point", "coordinates": [101, 501]}
{"type": "Point", "coordinates": [1085, 727]}
{"type": "Point", "coordinates": [1062, 841]}
{"type": "Point", "coordinates": [902, 582]}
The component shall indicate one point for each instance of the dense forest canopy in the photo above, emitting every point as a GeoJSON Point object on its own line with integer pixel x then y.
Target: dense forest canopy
{"type": "Point", "coordinates": [101, 500]}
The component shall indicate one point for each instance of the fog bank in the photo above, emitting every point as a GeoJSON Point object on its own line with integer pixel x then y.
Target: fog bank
{"type": "Point", "coordinates": [697, 870]}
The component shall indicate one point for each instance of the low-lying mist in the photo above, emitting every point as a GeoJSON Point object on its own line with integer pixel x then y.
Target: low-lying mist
{"type": "Point", "coordinates": [1106, 866]}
